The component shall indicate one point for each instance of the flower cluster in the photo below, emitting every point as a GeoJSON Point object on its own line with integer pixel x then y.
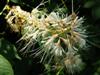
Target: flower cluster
{"type": "Point", "coordinates": [59, 37]}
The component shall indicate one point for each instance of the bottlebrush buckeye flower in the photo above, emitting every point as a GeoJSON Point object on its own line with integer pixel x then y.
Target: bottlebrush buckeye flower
{"type": "Point", "coordinates": [73, 62]}
{"type": "Point", "coordinates": [16, 18]}
{"type": "Point", "coordinates": [59, 38]}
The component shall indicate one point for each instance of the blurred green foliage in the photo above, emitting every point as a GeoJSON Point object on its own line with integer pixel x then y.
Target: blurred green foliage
{"type": "Point", "coordinates": [8, 50]}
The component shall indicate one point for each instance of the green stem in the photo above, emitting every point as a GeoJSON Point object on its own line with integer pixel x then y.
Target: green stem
{"type": "Point", "coordinates": [58, 73]}
{"type": "Point", "coordinates": [4, 7]}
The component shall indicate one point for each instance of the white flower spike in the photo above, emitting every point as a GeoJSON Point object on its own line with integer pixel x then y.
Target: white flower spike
{"type": "Point", "coordinates": [59, 38]}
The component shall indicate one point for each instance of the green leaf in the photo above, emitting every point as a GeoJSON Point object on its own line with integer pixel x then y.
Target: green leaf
{"type": "Point", "coordinates": [5, 67]}
{"type": "Point", "coordinates": [8, 50]}
{"type": "Point", "coordinates": [16, 1]}
{"type": "Point", "coordinates": [89, 4]}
